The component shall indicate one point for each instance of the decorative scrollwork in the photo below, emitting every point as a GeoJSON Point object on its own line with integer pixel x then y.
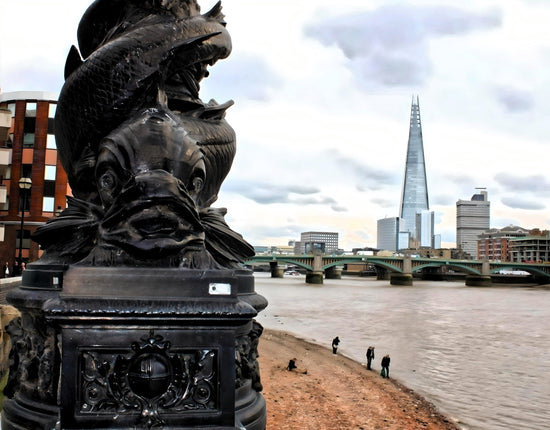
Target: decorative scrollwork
{"type": "Point", "coordinates": [247, 366]}
{"type": "Point", "coordinates": [149, 381]}
{"type": "Point", "coordinates": [34, 358]}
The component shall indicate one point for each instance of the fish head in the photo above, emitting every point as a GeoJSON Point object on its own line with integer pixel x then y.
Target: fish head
{"type": "Point", "coordinates": [149, 175]}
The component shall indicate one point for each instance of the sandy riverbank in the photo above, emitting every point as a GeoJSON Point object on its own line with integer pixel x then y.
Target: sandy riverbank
{"type": "Point", "coordinates": [337, 393]}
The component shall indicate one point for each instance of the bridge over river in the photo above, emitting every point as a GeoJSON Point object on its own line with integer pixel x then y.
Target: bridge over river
{"type": "Point", "coordinates": [399, 270]}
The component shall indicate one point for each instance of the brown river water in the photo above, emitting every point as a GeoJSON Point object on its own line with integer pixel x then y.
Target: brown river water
{"type": "Point", "coordinates": [481, 355]}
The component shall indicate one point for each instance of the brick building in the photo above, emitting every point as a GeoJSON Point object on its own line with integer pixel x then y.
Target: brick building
{"type": "Point", "coordinates": [28, 150]}
{"type": "Point", "coordinates": [494, 244]}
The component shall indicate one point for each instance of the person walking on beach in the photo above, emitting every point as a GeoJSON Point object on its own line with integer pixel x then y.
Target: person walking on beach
{"type": "Point", "coordinates": [385, 372]}
{"type": "Point", "coordinates": [335, 343]}
{"type": "Point", "coordinates": [370, 356]}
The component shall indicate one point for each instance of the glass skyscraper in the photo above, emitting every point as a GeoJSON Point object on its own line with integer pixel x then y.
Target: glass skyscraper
{"type": "Point", "coordinates": [414, 198]}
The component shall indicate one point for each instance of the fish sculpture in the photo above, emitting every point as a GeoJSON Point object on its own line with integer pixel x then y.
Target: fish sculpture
{"type": "Point", "coordinates": [145, 156]}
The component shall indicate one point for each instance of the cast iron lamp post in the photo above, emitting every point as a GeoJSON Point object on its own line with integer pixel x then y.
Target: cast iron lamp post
{"type": "Point", "coordinates": [25, 185]}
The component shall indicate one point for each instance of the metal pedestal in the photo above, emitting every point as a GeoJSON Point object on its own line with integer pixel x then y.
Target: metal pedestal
{"type": "Point", "coordinates": [127, 348]}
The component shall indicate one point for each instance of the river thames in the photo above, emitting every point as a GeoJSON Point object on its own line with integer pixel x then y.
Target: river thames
{"type": "Point", "coordinates": [481, 355]}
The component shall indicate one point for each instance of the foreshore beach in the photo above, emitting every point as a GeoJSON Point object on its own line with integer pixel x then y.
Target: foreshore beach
{"type": "Point", "coordinates": [337, 393]}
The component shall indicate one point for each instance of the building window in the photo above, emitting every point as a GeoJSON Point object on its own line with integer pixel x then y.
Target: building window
{"type": "Point", "coordinates": [31, 110]}
{"type": "Point", "coordinates": [51, 111]}
{"type": "Point", "coordinates": [51, 126]}
{"type": "Point", "coordinates": [49, 188]}
{"type": "Point", "coordinates": [26, 239]}
{"type": "Point", "coordinates": [49, 173]}
{"type": "Point", "coordinates": [11, 107]}
{"type": "Point", "coordinates": [28, 140]}
{"type": "Point", "coordinates": [29, 125]}
{"type": "Point", "coordinates": [50, 142]}
{"type": "Point", "coordinates": [48, 204]}
{"type": "Point", "coordinates": [26, 171]}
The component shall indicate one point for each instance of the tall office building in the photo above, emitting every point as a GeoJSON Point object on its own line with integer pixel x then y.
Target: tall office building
{"type": "Point", "coordinates": [472, 219]}
{"type": "Point", "coordinates": [425, 229]}
{"type": "Point", "coordinates": [391, 234]}
{"type": "Point", "coordinates": [414, 198]}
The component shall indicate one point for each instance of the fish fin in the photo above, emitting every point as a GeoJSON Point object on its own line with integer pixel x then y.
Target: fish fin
{"type": "Point", "coordinates": [74, 61]}
{"type": "Point", "coordinates": [215, 111]}
{"type": "Point", "coordinates": [216, 13]}
{"type": "Point", "coordinates": [175, 53]}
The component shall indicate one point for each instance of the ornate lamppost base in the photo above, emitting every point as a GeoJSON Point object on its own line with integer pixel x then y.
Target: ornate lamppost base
{"type": "Point", "coordinates": [132, 348]}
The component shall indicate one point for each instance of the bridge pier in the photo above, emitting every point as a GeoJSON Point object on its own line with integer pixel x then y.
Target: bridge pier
{"type": "Point", "coordinates": [541, 280]}
{"type": "Point", "coordinates": [314, 277]}
{"type": "Point", "coordinates": [401, 279]}
{"type": "Point", "coordinates": [478, 281]}
{"type": "Point", "coordinates": [333, 273]}
{"type": "Point", "coordinates": [276, 270]}
{"type": "Point", "coordinates": [483, 280]}
{"type": "Point", "coordinates": [382, 274]}
{"type": "Point", "coordinates": [405, 278]}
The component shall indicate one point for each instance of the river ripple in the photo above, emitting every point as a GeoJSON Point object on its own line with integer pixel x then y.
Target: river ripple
{"type": "Point", "coordinates": [480, 354]}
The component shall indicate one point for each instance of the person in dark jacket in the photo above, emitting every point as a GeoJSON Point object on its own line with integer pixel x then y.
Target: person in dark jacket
{"type": "Point", "coordinates": [292, 365]}
{"type": "Point", "coordinates": [385, 366]}
{"type": "Point", "coordinates": [370, 356]}
{"type": "Point", "coordinates": [335, 343]}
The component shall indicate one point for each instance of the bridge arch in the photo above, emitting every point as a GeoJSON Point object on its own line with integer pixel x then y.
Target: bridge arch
{"type": "Point", "coordinates": [280, 260]}
{"type": "Point", "coordinates": [524, 268]}
{"type": "Point", "coordinates": [459, 267]}
{"type": "Point", "coordinates": [382, 264]}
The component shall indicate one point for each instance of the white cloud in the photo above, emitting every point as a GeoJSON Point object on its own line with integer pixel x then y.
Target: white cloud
{"type": "Point", "coordinates": [323, 94]}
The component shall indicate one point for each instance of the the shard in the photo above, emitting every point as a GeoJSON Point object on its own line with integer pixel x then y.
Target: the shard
{"type": "Point", "coordinates": [414, 198]}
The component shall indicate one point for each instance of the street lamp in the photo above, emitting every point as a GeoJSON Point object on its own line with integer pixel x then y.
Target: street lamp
{"type": "Point", "coordinates": [25, 185]}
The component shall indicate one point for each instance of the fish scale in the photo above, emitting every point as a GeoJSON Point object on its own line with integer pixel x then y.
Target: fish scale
{"type": "Point", "coordinates": [123, 77]}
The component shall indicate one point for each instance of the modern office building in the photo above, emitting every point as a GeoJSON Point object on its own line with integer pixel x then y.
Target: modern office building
{"type": "Point", "coordinates": [391, 234]}
{"type": "Point", "coordinates": [425, 228]}
{"type": "Point", "coordinates": [414, 198]}
{"type": "Point", "coordinates": [494, 244]}
{"type": "Point", "coordinates": [472, 219]}
{"type": "Point", "coordinates": [326, 242]}
{"type": "Point", "coordinates": [28, 150]}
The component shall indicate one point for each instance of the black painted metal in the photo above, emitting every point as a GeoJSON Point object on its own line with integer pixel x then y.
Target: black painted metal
{"type": "Point", "coordinates": [182, 353]}
{"type": "Point", "coordinates": [139, 315]}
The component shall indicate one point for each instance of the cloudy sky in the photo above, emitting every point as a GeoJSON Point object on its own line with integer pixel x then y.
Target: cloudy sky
{"type": "Point", "coordinates": [323, 93]}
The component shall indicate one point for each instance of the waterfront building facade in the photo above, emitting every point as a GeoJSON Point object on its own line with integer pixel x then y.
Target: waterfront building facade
{"type": "Point", "coordinates": [310, 241]}
{"type": "Point", "coordinates": [28, 150]}
{"type": "Point", "coordinates": [534, 248]}
{"type": "Point", "coordinates": [391, 234]}
{"type": "Point", "coordinates": [472, 219]}
{"type": "Point", "coordinates": [494, 244]}
{"type": "Point", "coordinates": [414, 197]}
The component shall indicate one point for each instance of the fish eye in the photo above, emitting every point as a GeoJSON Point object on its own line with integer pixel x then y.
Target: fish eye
{"type": "Point", "coordinates": [107, 181]}
{"type": "Point", "coordinates": [197, 183]}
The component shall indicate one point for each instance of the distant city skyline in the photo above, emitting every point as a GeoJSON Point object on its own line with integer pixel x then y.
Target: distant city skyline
{"type": "Point", "coordinates": [322, 105]}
